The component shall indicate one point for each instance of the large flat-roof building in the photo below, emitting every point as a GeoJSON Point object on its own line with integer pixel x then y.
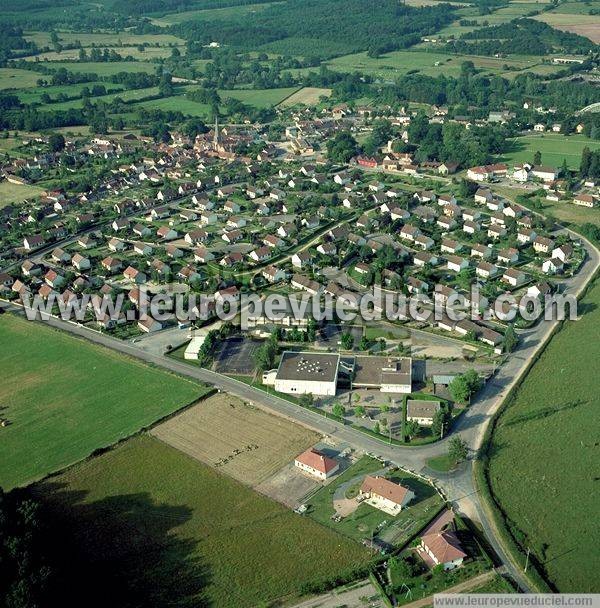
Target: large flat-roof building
{"type": "Point", "coordinates": [302, 373]}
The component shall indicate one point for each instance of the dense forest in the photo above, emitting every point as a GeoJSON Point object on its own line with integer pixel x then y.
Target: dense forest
{"type": "Point", "coordinates": [325, 27]}
{"type": "Point", "coordinates": [25, 572]}
{"type": "Point", "coordinates": [520, 36]}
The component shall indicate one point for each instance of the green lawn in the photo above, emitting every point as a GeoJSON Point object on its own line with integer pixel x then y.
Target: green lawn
{"type": "Point", "coordinates": [554, 147]}
{"type": "Point", "coordinates": [18, 79]}
{"type": "Point", "coordinates": [544, 455]}
{"type": "Point", "coordinates": [443, 463]}
{"type": "Point", "coordinates": [366, 519]}
{"type": "Point", "coordinates": [154, 527]}
{"type": "Point", "coordinates": [65, 398]}
{"type": "Point", "coordinates": [14, 193]}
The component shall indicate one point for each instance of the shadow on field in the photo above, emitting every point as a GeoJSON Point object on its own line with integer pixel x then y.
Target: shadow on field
{"type": "Point", "coordinates": [122, 551]}
{"type": "Point", "coordinates": [544, 412]}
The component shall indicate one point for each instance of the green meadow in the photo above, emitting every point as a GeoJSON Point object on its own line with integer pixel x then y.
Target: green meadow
{"type": "Point", "coordinates": [65, 397]}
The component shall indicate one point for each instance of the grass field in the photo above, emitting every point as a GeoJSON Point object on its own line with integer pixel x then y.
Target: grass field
{"type": "Point", "coordinates": [107, 39]}
{"type": "Point", "coordinates": [366, 519]}
{"type": "Point", "coordinates": [397, 63]}
{"type": "Point", "coordinates": [65, 398]}
{"type": "Point", "coordinates": [33, 95]}
{"type": "Point", "coordinates": [308, 96]}
{"type": "Point", "coordinates": [496, 17]}
{"type": "Point", "coordinates": [127, 95]}
{"type": "Point", "coordinates": [554, 147]}
{"type": "Point", "coordinates": [210, 14]}
{"type": "Point", "coordinates": [17, 79]}
{"type": "Point", "coordinates": [563, 211]}
{"type": "Point", "coordinates": [156, 528]}
{"type": "Point", "coordinates": [240, 440]}
{"type": "Point", "coordinates": [576, 7]}
{"type": "Point", "coordinates": [544, 454]}
{"type": "Point", "coordinates": [13, 193]}
{"type": "Point", "coordinates": [176, 103]}
{"type": "Point", "coordinates": [102, 68]}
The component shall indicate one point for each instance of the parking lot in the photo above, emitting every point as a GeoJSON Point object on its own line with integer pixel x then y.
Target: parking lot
{"type": "Point", "coordinates": [236, 356]}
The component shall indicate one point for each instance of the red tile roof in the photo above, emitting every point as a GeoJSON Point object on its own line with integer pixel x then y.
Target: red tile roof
{"type": "Point", "coordinates": [385, 488]}
{"type": "Point", "coordinates": [315, 460]}
{"type": "Point", "coordinates": [445, 546]}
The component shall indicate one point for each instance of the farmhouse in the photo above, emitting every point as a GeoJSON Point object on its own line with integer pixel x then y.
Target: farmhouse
{"type": "Point", "coordinates": [384, 494]}
{"type": "Point", "coordinates": [300, 373]}
{"type": "Point", "coordinates": [316, 464]}
{"type": "Point", "coordinates": [584, 200]}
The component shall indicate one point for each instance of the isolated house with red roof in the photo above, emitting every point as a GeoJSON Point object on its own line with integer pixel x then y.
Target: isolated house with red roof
{"type": "Point", "coordinates": [316, 464]}
{"type": "Point", "coordinates": [442, 548]}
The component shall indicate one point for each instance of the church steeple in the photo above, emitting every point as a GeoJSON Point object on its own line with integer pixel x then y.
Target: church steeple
{"type": "Point", "coordinates": [216, 134]}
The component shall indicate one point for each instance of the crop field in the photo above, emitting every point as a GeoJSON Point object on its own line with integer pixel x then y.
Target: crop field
{"type": "Point", "coordinates": [18, 79]}
{"type": "Point", "coordinates": [65, 397]}
{"type": "Point", "coordinates": [398, 63]}
{"type": "Point", "coordinates": [366, 519]}
{"type": "Point", "coordinates": [109, 39]}
{"type": "Point", "coordinates": [584, 25]}
{"type": "Point", "coordinates": [209, 14]}
{"type": "Point", "coordinates": [154, 527]}
{"type": "Point", "coordinates": [543, 468]}
{"type": "Point", "coordinates": [554, 147]}
{"type": "Point", "coordinates": [236, 438]}
{"type": "Point", "coordinates": [102, 68]}
{"type": "Point", "coordinates": [308, 96]}
{"type": "Point", "coordinates": [150, 52]}
{"type": "Point", "coordinates": [14, 193]}
{"type": "Point", "coordinates": [259, 98]}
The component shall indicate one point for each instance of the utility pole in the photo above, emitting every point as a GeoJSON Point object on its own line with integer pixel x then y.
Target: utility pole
{"type": "Point", "coordinates": [527, 560]}
{"type": "Point", "coordinates": [442, 431]}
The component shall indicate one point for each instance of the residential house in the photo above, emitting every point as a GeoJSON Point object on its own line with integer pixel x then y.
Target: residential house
{"type": "Point", "coordinates": [384, 494]}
